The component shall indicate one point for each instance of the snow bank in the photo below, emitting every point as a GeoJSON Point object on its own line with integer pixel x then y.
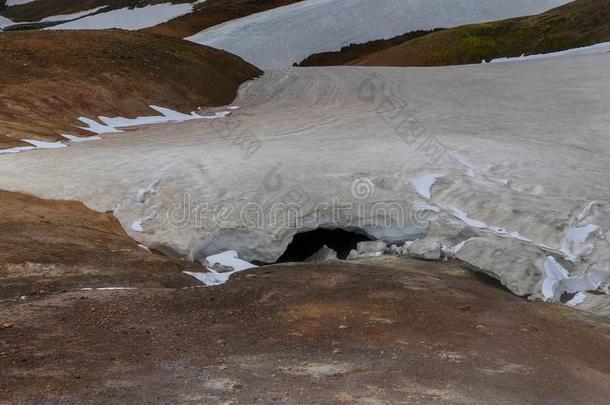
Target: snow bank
{"type": "Point", "coordinates": [604, 47]}
{"type": "Point", "coordinates": [281, 37]}
{"type": "Point", "coordinates": [129, 19]}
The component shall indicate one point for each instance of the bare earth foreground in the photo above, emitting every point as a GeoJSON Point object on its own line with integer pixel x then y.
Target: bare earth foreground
{"type": "Point", "coordinates": [396, 332]}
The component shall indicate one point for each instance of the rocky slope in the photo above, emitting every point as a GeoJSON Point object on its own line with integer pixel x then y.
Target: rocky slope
{"type": "Point", "coordinates": [52, 246]}
{"type": "Point", "coordinates": [49, 79]}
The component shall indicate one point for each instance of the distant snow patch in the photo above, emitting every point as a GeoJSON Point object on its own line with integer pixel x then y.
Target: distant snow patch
{"type": "Point", "coordinates": [603, 47]}
{"type": "Point", "coordinates": [10, 3]}
{"type": "Point", "coordinates": [228, 259]}
{"type": "Point", "coordinates": [129, 19]}
{"type": "Point", "coordinates": [73, 16]}
{"type": "Point", "coordinates": [5, 22]}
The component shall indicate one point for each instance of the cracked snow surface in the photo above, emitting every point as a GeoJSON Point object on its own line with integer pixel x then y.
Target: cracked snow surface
{"type": "Point", "coordinates": [516, 184]}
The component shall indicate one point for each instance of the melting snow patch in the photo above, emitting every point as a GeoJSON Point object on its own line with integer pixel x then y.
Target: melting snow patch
{"type": "Point", "coordinates": [151, 189]}
{"type": "Point", "coordinates": [10, 3]}
{"type": "Point", "coordinates": [45, 145]}
{"type": "Point", "coordinates": [603, 47]}
{"type": "Point", "coordinates": [73, 16]}
{"type": "Point", "coordinates": [228, 259]}
{"type": "Point", "coordinates": [112, 125]}
{"type": "Point", "coordinates": [574, 243]}
{"type": "Point", "coordinates": [129, 19]}
{"type": "Point", "coordinates": [555, 274]}
{"type": "Point", "coordinates": [136, 226]}
{"type": "Point", "coordinates": [558, 281]}
{"type": "Point", "coordinates": [469, 221]}
{"type": "Point", "coordinates": [16, 149]}
{"type": "Point", "coordinates": [5, 22]}
{"type": "Point", "coordinates": [80, 139]}
{"type": "Point", "coordinates": [423, 184]}
{"type": "Point", "coordinates": [518, 236]}
{"type": "Point", "coordinates": [35, 145]}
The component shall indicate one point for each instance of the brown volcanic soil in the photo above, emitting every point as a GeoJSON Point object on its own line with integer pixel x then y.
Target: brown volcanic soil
{"type": "Point", "coordinates": [48, 246]}
{"type": "Point", "coordinates": [49, 79]}
{"type": "Point", "coordinates": [383, 331]}
{"type": "Point", "coordinates": [576, 24]}
{"type": "Point", "coordinates": [214, 12]}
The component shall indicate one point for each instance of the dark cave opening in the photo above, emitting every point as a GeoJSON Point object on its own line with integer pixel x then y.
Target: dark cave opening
{"type": "Point", "coordinates": [305, 244]}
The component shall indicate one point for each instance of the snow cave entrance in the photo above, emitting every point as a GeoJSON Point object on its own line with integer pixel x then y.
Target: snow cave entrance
{"type": "Point", "coordinates": [306, 244]}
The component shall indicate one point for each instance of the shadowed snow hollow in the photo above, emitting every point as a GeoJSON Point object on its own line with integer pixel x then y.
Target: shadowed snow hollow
{"type": "Point", "coordinates": [491, 163]}
{"type": "Point", "coordinates": [281, 37]}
